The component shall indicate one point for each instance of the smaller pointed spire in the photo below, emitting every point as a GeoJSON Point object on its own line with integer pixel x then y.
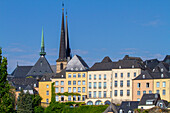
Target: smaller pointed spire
{"type": "Point", "coordinates": [42, 53]}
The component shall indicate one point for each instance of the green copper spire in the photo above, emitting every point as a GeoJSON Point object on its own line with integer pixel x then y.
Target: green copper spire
{"type": "Point", "coordinates": [42, 53]}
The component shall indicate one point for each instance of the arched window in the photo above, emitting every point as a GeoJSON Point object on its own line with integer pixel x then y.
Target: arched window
{"type": "Point", "coordinates": [107, 102]}
{"type": "Point", "coordinates": [61, 66]}
{"type": "Point", "coordinates": [89, 103]}
{"type": "Point", "coordinates": [98, 102]}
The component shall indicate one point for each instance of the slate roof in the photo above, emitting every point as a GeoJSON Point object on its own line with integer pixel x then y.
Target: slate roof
{"type": "Point", "coordinates": [147, 74]}
{"type": "Point", "coordinates": [111, 108]}
{"type": "Point", "coordinates": [23, 82]}
{"type": "Point", "coordinates": [40, 68]}
{"type": "Point", "coordinates": [167, 59]}
{"type": "Point", "coordinates": [21, 71]}
{"type": "Point", "coordinates": [106, 60]}
{"type": "Point", "coordinates": [77, 64]}
{"type": "Point", "coordinates": [53, 67]}
{"type": "Point", "coordinates": [164, 101]}
{"type": "Point", "coordinates": [146, 97]}
{"type": "Point", "coordinates": [162, 65]}
{"type": "Point", "coordinates": [127, 57]}
{"type": "Point", "coordinates": [151, 64]}
{"type": "Point", "coordinates": [128, 105]}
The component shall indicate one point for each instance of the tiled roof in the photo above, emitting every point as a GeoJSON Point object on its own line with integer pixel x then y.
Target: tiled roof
{"type": "Point", "coordinates": [77, 64]}
{"type": "Point", "coordinates": [147, 97]}
{"type": "Point", "coordinates": [40, 68]}
{"type": "Point", "coordinates": [21, 71]}
{"type": "Point", "coordinates": [128, 105]}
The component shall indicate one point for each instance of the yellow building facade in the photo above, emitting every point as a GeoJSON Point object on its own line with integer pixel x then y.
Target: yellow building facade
{"type": "Point", "coordinates": [162, 86]}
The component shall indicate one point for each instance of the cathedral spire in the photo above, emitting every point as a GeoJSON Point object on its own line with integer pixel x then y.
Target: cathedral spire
{"type": "Point", "coordinates": [42, 53]}
{"type": "Point", "coordinates": [68, 50]}
{"type": "Point", "coordinates": [62, 51]}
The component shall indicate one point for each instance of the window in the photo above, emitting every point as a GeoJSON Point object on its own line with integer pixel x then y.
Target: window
{"type": "Point", "coordinates": [74, 89]}
{"type": "Point", "coordinates": [100, 85]}
{"type": "Point", "coordinates": [74, 98]}
{"type": "Point", "coordinates": [134, 74]}
{"type": "Point", "coordinates": [128, 83]}
{"type": "Point", "coordinates": [138, 92]}
{"type": "Point", "coordinates": [69, 82]}
{"type": "Point", "coordinates": [138, 85]}
{"type": "Point", "coordinates": [94, 94]}
{"type": "Point", "coordinates": [138, 99]}
{"type": "Point", "coordinates": [47, 92]}
{"type": "Point", "coordinates": [79, 98]}
{"type": "Point", "coordinates": [61, 66]}
{"type": "Point", "coordinates": [62, 89]}
{"type": "Point", "coordinates": [47, 86]}
{"type": "Point", "coordinates": [149, 102]}
{"type": "Point", "coordinates": [74, 75]}
{"type": "Point", "coordinates": [121, 92]}
{"type": "Point", "coordinates": [163, 84]}
{"type": "Point", "coordinates": [110, 94]}
{"type": "Point", "coordinates": [84, 89]}
{"type": "Point", "coordinates": [74, 82]}
{"type": "Point", "coordinates": [121, 75]}
{"type": "Point", "coordinates": [163, 92]}
{"type": "Point", "coordinates": [121, 83]}
{"type": "Point", "coordinates": [157, 84]}
{"type": "Point", "coordinates": [89, 84]}
{"type": "Point", "coordinates": [56, 83]}
{"type": "Point", "coordinates": [100, 77]}
{"type": "Point", "coordinates": [79, 89]}
{"type": "Point", "coordinates": [69, 98]}
{"type": "Point", "coordinates": [115, 75]}
{"type": "Point", "coordinates": [157, 91]}
{"type": "Point", "coordinates": [100, 94]}
{"type": "Point", "coordinates": [128, 75]}
{"type": "Point", "coordinates": [89, 94]}
{"type": "Point", "coordinates": [94, 85]}
{"type": "Point", "coordinates": [104, 76]}
{"type": "Point", "coordinates": [121, 111]}
{"type": "Point", "coordinates": [111, 85]}
{"type": "Point", "coordinates": [69, 89]}
{"type": "Point", "coordinates": [46, 100]}
{"type": "Point", "coordinates": [104, 93]}
{"type": "Point", "coordinates": [115, 83]}
{"type": "Point", "coordinates": [89, 77]}
{"type": "Point", "coordinates": [128, 92]}
{"type": "Point", "coordinates": [104, 84]}
{"type": "Point", "coordinates": [56, 98]}
{"type": "Point", "coordinates": [69, 75]}
{"type": "Point", "coordinates": [144, 92]}
{"type": "Point", "coordinates": [84, 75]}
{"type": "Point", "coordinates": [79, 75]}
{"type": "Point", "coordinates": [62, 82]}
{"type": "Point", "coordinates": [150, 91]}
{"type": "Point", "coordinates": [115, 93]}
{"type": "Point", "coordinates": [79, 82]}
{"type": "Point", "coordinates": [84, 83]}
{"type": "Point", "coordinates": [56, 89]}
{"type": "Point", "coordinates": [84, 96]}
{"type": "Point", "coordinates": [35, 85]}
{"type": "Point", "coordinates": [94, 77]}
{"type": "Point", "coordinates": [147, 85]}
{"type": "Point", "coordinates": [143, 76]}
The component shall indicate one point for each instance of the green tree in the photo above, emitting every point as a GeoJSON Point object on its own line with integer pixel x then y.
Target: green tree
{"type": "Point", "coordinates": [36, 101]}
{"type": "Point", "coordinates": [6, 93]}
{"type": "Point", "coordinates": [24, 103]}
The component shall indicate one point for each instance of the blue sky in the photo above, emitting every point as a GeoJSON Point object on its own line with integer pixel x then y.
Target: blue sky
{"type": "Point", "coordinates": [97, 28]}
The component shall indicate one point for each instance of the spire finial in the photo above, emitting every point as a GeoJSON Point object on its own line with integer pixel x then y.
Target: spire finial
{"type": "Point", "coordinates": [62, 5]}
{"type": "Point", "coordinates": [42, 53]}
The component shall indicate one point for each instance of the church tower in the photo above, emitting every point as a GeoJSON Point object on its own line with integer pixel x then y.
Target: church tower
{"type": "Point", "coordinates": [64, 51]}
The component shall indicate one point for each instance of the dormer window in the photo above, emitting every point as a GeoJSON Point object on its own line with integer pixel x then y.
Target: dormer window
{"type": "Point", "coordinates": [35, 85]}
{"type": "Point", "coordinates": [62, 76]}
{"type": "Point", "coordinates": [162, 69]}
{"type": "Point", "coordinates": [19, 88]}
{"type": "Point", "coordinates": [120, 67]}
{"type": "Point", "coordinates": [43, 78]}
{"type": "Point", "coordinates": [153, 70]}
{"type": "Point", "coordinates": [143, 76]}
{"type": "Point", "coordinates": [72, 69]}
{"type": "Point", "coordinates": [81, 68]}
{"type": "Point", "coordinates": [149, 102]}
{"type": "Point", "coordinates": [162, 75]}
{"type": "Point", "coordinates": [76, 69]}
{"type": "Point", "coordinates": [121, 111]}
{"type": "Point", "coordinates": [133, 66]}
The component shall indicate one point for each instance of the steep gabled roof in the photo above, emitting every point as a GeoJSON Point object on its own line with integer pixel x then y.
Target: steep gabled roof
{"type": "Point", "coordinates": [160, 66]}
{"type": "Point", "coordinates": [77, 64]}
{"type": "Point", "coordinates": [111, 108]}
{"type": "Point", "coordinates": [128, 105]}
{"type": "Point", "coordinates": [21, 71]}
{"type": "Point", "coordinates": [40, 68]}
{"type": "Point", "coordinates": [127, 57]}
{"type": "Point", "coordinates": [167, 59]}
{"type": "Point", "coordinates": [151, 64]}
{"type": "Point", "coordinates": [106, 60]}
{"type": "Point", "coordinates": [146, 73]}
{"type": "Point", "coordinates": [148, 97]}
